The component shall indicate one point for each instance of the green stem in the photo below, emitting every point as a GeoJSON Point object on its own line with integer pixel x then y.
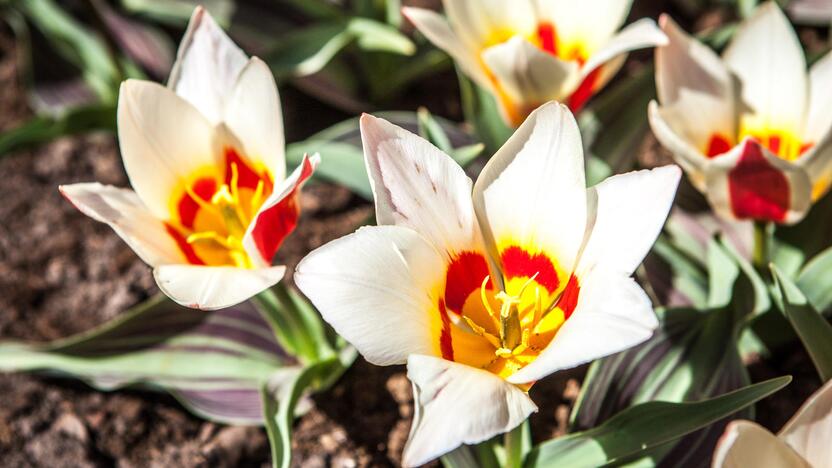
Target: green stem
{"type": "Point", "coordinates": [280, 311]}
{"type": "Point", "coordinates": [760, 254]}
{"type": "Point", "coordinates": [517, 444]}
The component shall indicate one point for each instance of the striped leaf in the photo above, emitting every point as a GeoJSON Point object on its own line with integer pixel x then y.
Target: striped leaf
{"type": "Point", "coordinates": [215, 363]}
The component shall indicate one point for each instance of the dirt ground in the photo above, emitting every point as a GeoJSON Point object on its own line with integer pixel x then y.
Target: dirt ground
{"type": "Point", "coordinates": [62, 273]}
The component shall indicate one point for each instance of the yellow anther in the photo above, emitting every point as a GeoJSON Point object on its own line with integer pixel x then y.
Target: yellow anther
{"type": "Point", "coordinates": [209, 236]}
{"type": "Point", "coordinates": [481, 332]}
{"type": "Point", "coordinates": [484, 296]}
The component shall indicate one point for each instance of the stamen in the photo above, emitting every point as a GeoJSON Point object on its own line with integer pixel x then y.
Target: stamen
{"type": "Point", "coordinates": [484, 296]}
{"type": "Point", "coordinates": [209, 236]}
{"type": "Point", "coordinates": [481, 332]}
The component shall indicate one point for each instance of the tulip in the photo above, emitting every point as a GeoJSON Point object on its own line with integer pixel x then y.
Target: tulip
{"type": "Point", "coordinates": [752, 128]}
{"type": "Point", "coordinates": [484, 288]}
{"type": "Point", "coordinates": [205, 157]}
{"type": "Point", "coordinates": [527, 52]}
{"type": "Point", "coordinates": [802, 443]}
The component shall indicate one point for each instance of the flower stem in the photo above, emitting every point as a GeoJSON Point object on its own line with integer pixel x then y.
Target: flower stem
{"type": "Point", "coordinates": [517, 444]}
{"type": "Point", "coordinates": [281, 311]}
{"type": "Point", "coordinates": [760, 257]}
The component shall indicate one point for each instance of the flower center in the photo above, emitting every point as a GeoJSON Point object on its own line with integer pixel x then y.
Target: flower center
{"type": "Point", "coordinates": [212, 213]}
{"type": "Point", "coordinates": [502, 331]}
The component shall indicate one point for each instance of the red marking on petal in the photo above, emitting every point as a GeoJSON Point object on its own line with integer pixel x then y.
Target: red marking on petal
{"type": "Point", "coordinates": [187, 207]}
{"type": "Point", "coordinates": [758, 190]}
{"type": "Point", "coordinates": [445, 343]}
{"type": "Point", "coordinates": [569, 297]}
{"type": "Point", "coordinates": [548, 38]}
{"type": "Point", "coordinates": [717, 145]}
{"type": "Point", "coordinates": [274, 224]}
{"type": "Point", "coordinates": [465, 275]}
{"type": "Point", "coordinates": [519, 263]}
{"type": "Point", "coordinates": [186, 248]}
{"type": "Point", "coordinates": [806, 147]}
{"type": "Point", "coordinates": [585, 91]}
{"type": "Point", "coordinates": [247, 176]}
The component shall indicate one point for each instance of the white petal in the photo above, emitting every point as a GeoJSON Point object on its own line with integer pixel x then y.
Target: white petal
{"type": "Point", "coordinates": [749, 182]}
{"type": "Point", "coordinates": [457, 404]}
{"type": "Point", "coordinates": [163, 140]}
{"type": "Point", "coordinates": [253, 114]}
{"type": "Point", "coordinates": [692, 80]}
{"type": "Point", "coordinates": [533, 191]}
{"type": "Point", "coordinates": [214, 287]}
{"type": "Point", "coordinates": [630, 210]}
{"type": "Point", "coordinates": [639, 35]}
{"type": "Point", "coordinates": [415, 185]}
{"type": "Point", "coordinates": [669, 126]}
{"type": "Point", "coordinates": [129, 218]}
{"type": "Point", "coordinates": [278, 215]}
{"type": "Point", "coordinates": [528, 75]}
{"type": "Point", "coordinates": [483, 23]}
{"type": "Point", "coordinates": [820, 101]}
{"type": "Point", "coordinates": [592, 22]}
{"type": "Point", "coordinates": [374, 287]}
{"type": "Point", "coordinates": [747, 444]}
{"type": "Point", "coordinates": [818, 159]}
{"type": "Point", "coordinates": [766, 56]}
{"type": "Point", "coordinates": [809, 431]}
{"type": "Point", "coordinates": [613, 314]}
{"type": "Point", "coordinates": [207, 66]}
{"type": "Point", "coordinates": [439, 32]}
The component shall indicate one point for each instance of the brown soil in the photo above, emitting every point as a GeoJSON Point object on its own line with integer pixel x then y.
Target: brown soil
{"type": "Point", "coordinates": [62, 273]}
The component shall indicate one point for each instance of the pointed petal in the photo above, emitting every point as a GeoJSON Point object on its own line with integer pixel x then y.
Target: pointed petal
{"type": "Point", "coordinates": [163, 140]}
{"type": "Point", "coordinates": [749, 182]}
{"type": "Point", "coordinates": [483, 23]}
{"type": "Point", "coordinates": [639, 35]}
{"type": "Point", "coordinates": [458, 404]}
{"type": "Point", "coordinates": [629, 212]}
{"type": "Point", "coordinates": [253, 114]}
{"type": "Point", "coordinates": [207, 66]}
{"type": "Point", "coordinates": [745, 444]}
{"type": "Point", "coordinates": [809, 431]}
{"type": "Point", "coordinates": [818, 159]}
{"type": "Point", "coordinates": [692, 80]}
{"type": "Point", "coordinates": [129, 218]}
{"type": "Point", "coordinates": [439, 32]}
{"type": "Point", "coordinates": [613, 314]}
{"type": "Point", "coordinates": [533, 191]}
{"type": "Point", "coordinates": [278, 215]}
{"type": "Point", "coordinates": [528, 75]}
{"type": "Point", "coordinates": [415, 185]}
{"type": "Point", "coordinates": [376, 287]}
{"type": "Point", "coordinates": [213, 287]}
{"type": "Point", "coordinates": [669, 125]}
{"type": "Point", "coordinates": [820, 119]}
{"type": "Point", "coordinates": [593, 22]}
{"type": "Point", "coordinates": [766, 56]}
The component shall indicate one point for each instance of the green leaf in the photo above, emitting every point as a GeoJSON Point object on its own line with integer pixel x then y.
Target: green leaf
{"type": "Point", "coordinates": [481, 111]}
{"type": "Point", "coordinates": [77, 44]}
{"type": "Point", "coordinates": [45, 128]}
{"type": "Point", "coordinates": [317, 9]}
{"type": "Point", "coordinates": [280, 400]}
{"type": "Point", "coordinates": [342, 156]}
{"type": "Point", "coordinates": [213, 362]}
{"type": "Point", "coordinates": [642, 427]}
{"type": "Point", "coordinates": [374, 36]}
{"type": "Point", "coordinates": [178, 12]}
{"type": "Point", "coordinates": [342, 163]}
{"type": "Point", "coordinates": [815, 280]}
{"type": "Point", "coordinates": [722, 274]}
{"type": "Point", "coordinates": [306, 51]}
{"type": "Point", "coordinates": [814, 331]}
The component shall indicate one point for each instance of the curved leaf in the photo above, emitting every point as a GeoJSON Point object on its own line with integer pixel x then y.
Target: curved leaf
{"type": "Point", "coordinates": [640, 428]}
